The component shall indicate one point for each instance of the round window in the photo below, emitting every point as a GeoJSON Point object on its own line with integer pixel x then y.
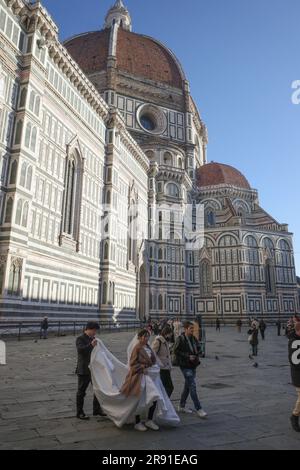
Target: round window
{"type": "Point", "coordinates": [147, 122]}
{"type": "Point", "coordinates": [151, 119]}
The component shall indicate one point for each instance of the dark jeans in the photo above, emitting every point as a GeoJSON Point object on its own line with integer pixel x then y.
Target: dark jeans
{"type": "Point", "coordinates": [262, 332]}
{"type": "Point", "coordinates": [279, 331]}
{"type": "Point", "coordinates": [44, 333]}
{"type": "Point", "coordinates": [189, 388]}
{"type": "Point", "coordinates": [254, 349]}
{"type": "Point", "coordinates": [150, 413]}
{"type": "Point", "coordinates": [165, 376]}
{"type": "Point", "coordinates": [83, 383]}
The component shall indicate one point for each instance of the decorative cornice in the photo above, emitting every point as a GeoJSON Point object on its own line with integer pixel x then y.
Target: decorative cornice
{"type": "Point", "coordinates": [226, 190]}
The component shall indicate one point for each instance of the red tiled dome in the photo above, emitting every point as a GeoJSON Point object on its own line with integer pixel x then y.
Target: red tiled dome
{"type": "Point", "coordinates": [213, 174]}
{"type": "Point", "coordinates": [90, 50]}
{"type": "Point", "coordinates": [137, 55]}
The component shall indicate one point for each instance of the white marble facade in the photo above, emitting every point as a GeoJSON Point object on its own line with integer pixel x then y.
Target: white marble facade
{"type": "Point", "coordinates": [86, 158]}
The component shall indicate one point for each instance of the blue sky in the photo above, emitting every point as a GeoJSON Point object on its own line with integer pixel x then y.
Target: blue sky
{"type": "Point", "coordinates": [241, 57]}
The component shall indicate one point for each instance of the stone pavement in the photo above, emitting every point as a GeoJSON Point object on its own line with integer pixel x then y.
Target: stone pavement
{"type": "Point", "coordinates": [248, 407]}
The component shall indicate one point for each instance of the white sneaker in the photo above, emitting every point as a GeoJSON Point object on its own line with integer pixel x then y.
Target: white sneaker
{"type": "Point", "coordinates": [140, 427]}
{"type": "Point", "coordinates": [188, 411]}
{"type": "Point", "coordinates": [202, 414]}
{"type": "Point", "coordinates": [151, 425]}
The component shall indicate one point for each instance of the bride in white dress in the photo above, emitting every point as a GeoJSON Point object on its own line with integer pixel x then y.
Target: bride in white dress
{"type": "Point", "coordinates": [133, 392]}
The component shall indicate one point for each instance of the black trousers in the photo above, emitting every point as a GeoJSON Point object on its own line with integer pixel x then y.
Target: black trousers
{"type": "Point", "coordinates": [165, 376]}
{"type": "Point", "coordinates": [150, 413]}
{"type": "Point", "coordinates": [83, 383]}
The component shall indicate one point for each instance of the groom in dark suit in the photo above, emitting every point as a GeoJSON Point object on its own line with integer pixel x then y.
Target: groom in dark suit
{"type": "Point", "coordinates": [85, 345]}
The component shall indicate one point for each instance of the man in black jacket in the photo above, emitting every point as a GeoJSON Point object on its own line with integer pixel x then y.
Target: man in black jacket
{"type": "Point", "coordinates": [44, 328]}
{"type": "Point", "coordinates": [187, 351]}
{"type": "Point", "coordinates": [85, 344]}
{"type": "Point", "coordinates": [294, 358]}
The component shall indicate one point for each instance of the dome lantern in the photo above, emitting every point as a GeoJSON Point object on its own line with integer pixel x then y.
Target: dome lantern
{"type": "Point", "coordinates": [118, 14]}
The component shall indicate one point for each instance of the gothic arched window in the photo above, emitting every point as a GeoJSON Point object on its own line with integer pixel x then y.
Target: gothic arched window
{"type": "Point", "coordinates": [72, 196]}
{"type": "Point", "coordinates": [33, 139]}
{"type": "Point", "coordinates": [9, 208]}
{"type": "Point", "coordinates": [168, 158]}
{"type": "Point", "coordinates": [210, 218]}
{"type": "Point", "coordinates": [285, 253]}
{"type": "Point", "coordinates": [19, 212]}
{"type": "Point", "coordinates": [252, 258]}
{"type": "Point", "coordinates": [25, 215]}
{"type": "Point", "coordinates": [13, 172]}
{"type": "Point", "coordinates": [28, 134]}
{"type": "Point", "coordinates": [106, 251]}
{"type": "Point", "coordinates": [14, 283]}
{"type": "Point", "coordinates": [23, 174]}
{"type": "Point", "coordinates": [205, 278]}
{"type": "Point", "coordinates": [18, 135]}
{"type": "Point", "coordinates": [150, 301]}
{"type": "Point", "coordinates": [172, 190]}
{"type": "Point", "coordinates": [23, 97]}
{"type": "Point", "coordinates": [160, 302]}
{"type": "Point", "coordinates": [31, 100]}
{"type": "Point", "coordinates": [29, 178]}
{"type": "Point", "coordinates": [270, 277]}
{"type": "Point", "coordinates": [267, 243]}
{"type": "Point", "coordinates": [37, 106]}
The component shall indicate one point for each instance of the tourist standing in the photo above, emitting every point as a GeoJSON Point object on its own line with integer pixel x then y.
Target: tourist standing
{"type": "Point", "coordinates": [162, 350]}
{"type": "Point", "coordinates": [253, 339]}
{"type": "Point", "coordinates": [262, 328]}
{"type": "Point", "coordinates": [294, 358]}
{"type": "Point", "coordinates": [85, 345]}
{"type": "Point", "coordinates": [278, 324]}
{"type": "Point", "coordinates": [187, 351]}
{"type": "Point", "coordinates": [218, 325]}
{"type": "Point", "coordinates": [44, 328]}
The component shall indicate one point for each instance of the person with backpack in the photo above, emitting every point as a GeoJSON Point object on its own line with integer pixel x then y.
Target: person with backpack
{"type": "Point", "coordinates": [262, 328]}
{"type": "Point", "coordinates": [186, 353]}
{"type": "Point", "coordinates": [162, 350]}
